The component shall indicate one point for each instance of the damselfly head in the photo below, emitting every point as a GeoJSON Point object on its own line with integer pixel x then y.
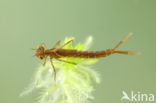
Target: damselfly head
{"type": "Point", "coordinates": [40, 51]}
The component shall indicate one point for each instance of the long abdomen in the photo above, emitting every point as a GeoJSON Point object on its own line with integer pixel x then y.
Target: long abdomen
{"type": "Point", "coordinates": [83, 54]}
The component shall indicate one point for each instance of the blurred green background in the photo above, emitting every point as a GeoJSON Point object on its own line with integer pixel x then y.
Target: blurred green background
{"type": "Point", "coordinates": [26, 23]}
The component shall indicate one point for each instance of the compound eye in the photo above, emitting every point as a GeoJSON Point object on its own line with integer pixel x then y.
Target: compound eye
{"type": "Point", "coordinates": [41, 57]}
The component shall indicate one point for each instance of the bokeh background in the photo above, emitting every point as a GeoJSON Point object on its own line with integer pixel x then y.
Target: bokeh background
{"type": "Point", "coordinates": [27, 23]}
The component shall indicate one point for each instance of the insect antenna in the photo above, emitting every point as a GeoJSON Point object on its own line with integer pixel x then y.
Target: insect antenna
{"type": "Point", "coordinates": [33, 56]}
{"type": "Point", "coordinates": [33, 49]}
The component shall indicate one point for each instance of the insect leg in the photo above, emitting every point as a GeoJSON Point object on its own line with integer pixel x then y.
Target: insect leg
{"type": "Point", "coordinates": [44, 45]}
{"type": "Point", "coordinates": [53, 69]}
{"type": "Point", "coordinates": [68, 43]}
{"type": "Point", "coordinates": [66, 61]}
{"type": "Point", "coordinates": [57, 43]}
{"type": "Point", "coordinates": [122, 41]}
{"type": "Point", "coordinates": [44, 62]}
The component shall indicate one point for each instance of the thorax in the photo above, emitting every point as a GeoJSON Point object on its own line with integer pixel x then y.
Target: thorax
{"type": "Point", "coordinates": [51, 53]}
